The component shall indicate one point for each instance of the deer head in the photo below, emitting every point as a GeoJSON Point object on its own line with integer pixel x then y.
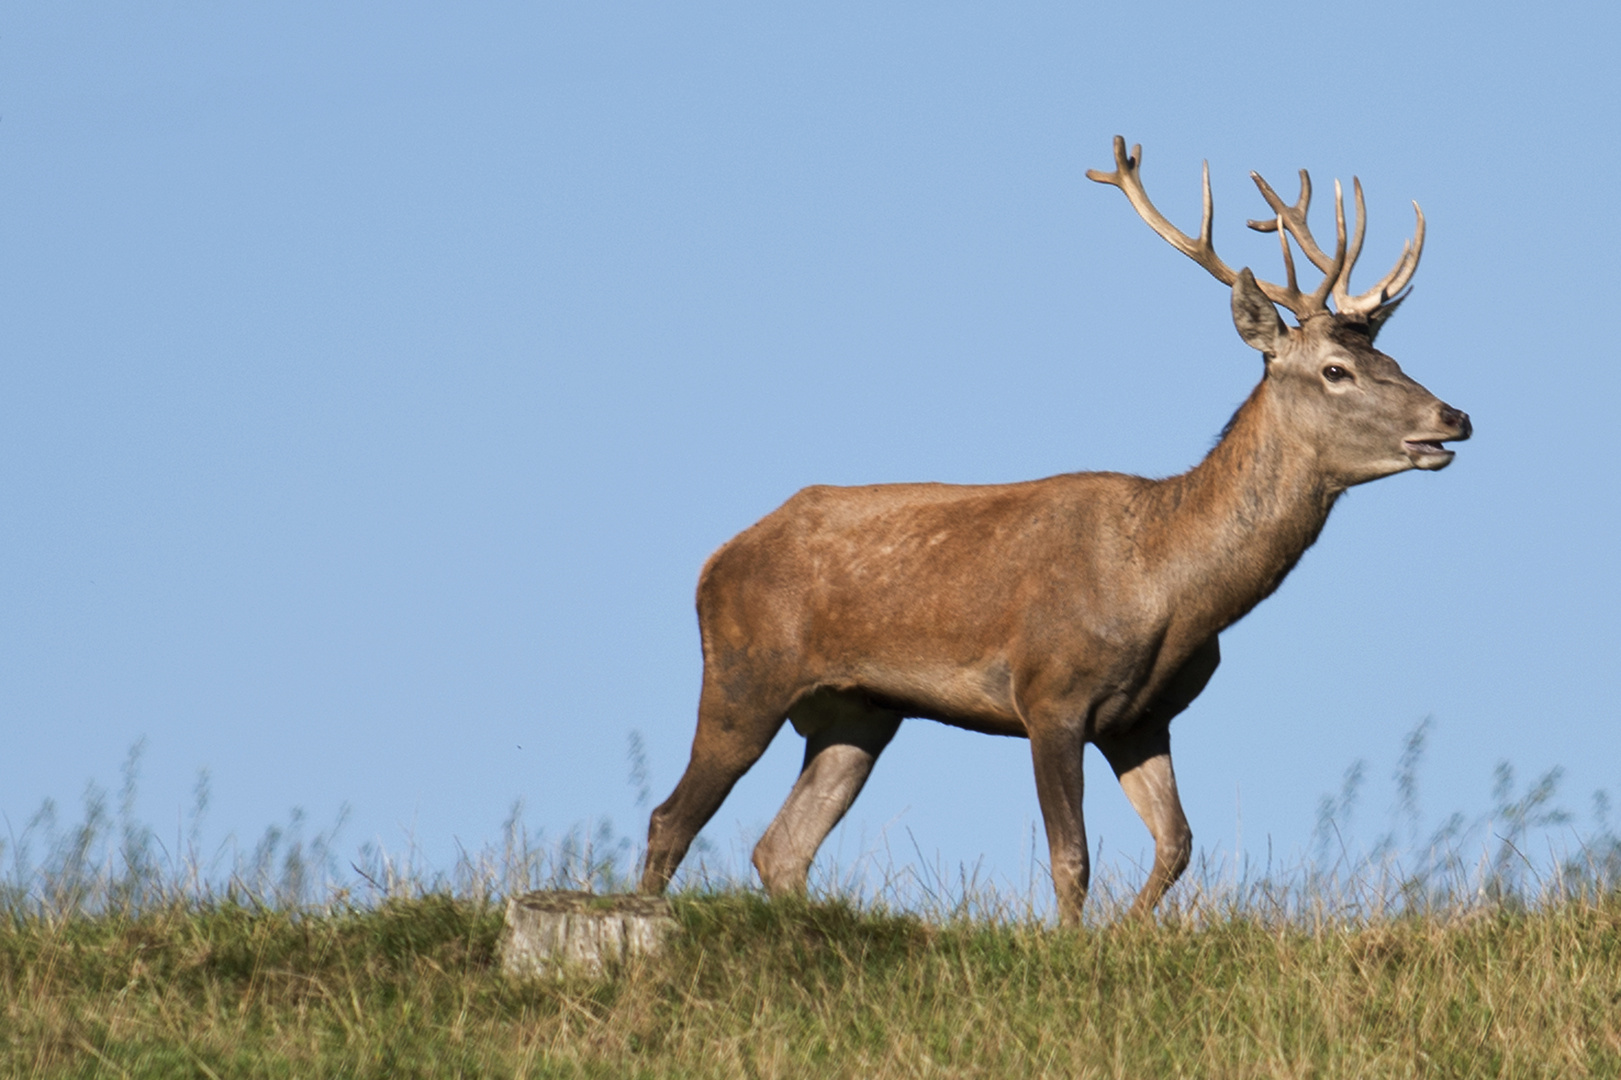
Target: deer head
{"type": "Point", "coordinates": [1341, 400]}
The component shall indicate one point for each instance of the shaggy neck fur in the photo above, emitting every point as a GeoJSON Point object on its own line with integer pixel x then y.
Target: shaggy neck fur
{"type": "Point", "coordinates": [1225, 533]}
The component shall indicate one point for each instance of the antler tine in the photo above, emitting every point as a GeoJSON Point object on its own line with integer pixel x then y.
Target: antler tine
{"type": "Point", "coordinates": [1392, 283]}
{"type": "Point", "coordinates": [1126, 178]}
{"type": "Point", "coordinates": [1279, 207]}
{"type": "Point", "coordinates": [1288, 257]}
{"type": "Point", "coordinates": [1334, 271]}
{"type": "Point", "coordinates": [1290, 295]}
{"type": "Point", "coordinates": [1205, 223]}
{"type": "Point", "coordinates": [1399, 277]}
{"type": "Point", "coordinates": [1293, 218]}
{"type": "Point", "coordinates": [1343, 301]}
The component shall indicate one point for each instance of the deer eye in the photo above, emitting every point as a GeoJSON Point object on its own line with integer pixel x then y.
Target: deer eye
{"type": "Point", "coordinates": [1335, 373]}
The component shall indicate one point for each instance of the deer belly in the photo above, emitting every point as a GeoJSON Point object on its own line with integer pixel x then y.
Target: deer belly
{"type": "Point", "coordinates": [977, 696]}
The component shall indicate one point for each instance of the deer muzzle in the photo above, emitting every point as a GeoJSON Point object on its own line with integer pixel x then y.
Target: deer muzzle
{"type": "Point", "coordinates": [1427, 452]}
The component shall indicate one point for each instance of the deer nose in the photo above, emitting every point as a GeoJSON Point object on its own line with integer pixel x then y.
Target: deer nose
{"type": "Point", "coordinates": [1458, 419]}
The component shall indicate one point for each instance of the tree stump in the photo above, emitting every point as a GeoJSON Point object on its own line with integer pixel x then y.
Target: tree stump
{"type": "Point", "coordinates": [549, 934]}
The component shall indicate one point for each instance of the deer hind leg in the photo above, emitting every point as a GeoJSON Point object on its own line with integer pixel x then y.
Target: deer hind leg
{"type": "Point", "coordinates": [1142, 760]}
{"type": "Point", "coordinates": [843, 737]}
{"type": "Point", "coordinates": [731, 736]}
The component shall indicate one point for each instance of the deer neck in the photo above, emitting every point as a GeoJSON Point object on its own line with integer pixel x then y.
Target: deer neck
{"type": "Point", "coordinates": [1237, 522]}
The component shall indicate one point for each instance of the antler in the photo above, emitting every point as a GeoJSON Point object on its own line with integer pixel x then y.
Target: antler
{"type": "Point", "coordinates": [1126, 179]}
{"type": "Point", "coordinates": [1385, 293]}
{"type": "Point", "coordinates": [1288, 221]}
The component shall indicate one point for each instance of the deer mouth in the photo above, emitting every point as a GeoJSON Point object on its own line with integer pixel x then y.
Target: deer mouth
{"type": "Point", "coordinates": [1427, 453]}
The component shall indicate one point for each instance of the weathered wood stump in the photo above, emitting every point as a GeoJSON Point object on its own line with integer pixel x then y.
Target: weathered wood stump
{"type": "Point", "coordinates": [552, 933]}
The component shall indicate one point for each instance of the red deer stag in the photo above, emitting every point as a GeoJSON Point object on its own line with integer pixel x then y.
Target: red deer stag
{"type": "Point", "coordinates": [1080, 608]}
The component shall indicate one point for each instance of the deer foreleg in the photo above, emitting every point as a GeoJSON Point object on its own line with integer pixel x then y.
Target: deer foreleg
{"type": "Point", "coordinates": [1142, 761]}
{"type": "Point", "coordinates": [1057, 753]}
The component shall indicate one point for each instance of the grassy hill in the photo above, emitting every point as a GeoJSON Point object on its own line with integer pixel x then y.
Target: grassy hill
{"type": "Point", "coordinates": [752, 988]}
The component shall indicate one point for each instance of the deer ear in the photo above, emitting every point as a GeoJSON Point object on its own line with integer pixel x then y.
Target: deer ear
{"type": "Point", "coordinates": [1257, 320]}
{"type": "Point", "coordinates": [1384, 311]}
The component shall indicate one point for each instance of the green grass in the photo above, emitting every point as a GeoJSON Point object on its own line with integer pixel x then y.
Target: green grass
{"type": "Point", "coordinates": [1455, 956]}
{"type": "Point", "coordinates": [752, 988]}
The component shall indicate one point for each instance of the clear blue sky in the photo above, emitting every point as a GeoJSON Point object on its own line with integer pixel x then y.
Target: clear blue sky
{"type": "Point", "coordinates": [377, 379]}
